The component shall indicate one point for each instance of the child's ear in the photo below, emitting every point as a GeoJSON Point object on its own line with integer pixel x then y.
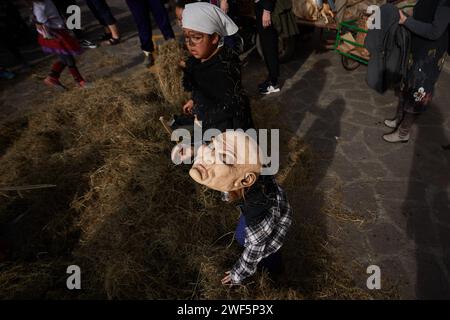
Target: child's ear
{"type": "Point", "coordinates": [249, 180]}
{"type": "Point", "coordinates": [216, 38]}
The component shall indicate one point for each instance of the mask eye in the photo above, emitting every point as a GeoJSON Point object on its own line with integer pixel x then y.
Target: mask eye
{"type": "Point", "coordinates": [225, 159]}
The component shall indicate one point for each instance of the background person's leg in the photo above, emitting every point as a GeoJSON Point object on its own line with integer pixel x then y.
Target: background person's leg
{"type": "Point", "coordinates": [103, 14]}
{"type": "Point", "coordinates": [93, 8]}
{"type": "Point", "coordinates": [269, 43]}
{"type": "Point", "coordinates": [162, 18]}
{"type": "Point", "coordinates": [62, 6]}
{"type": "Point", "coordinates": [141, 15]}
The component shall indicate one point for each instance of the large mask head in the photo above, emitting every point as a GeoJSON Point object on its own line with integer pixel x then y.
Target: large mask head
{"type": "Point", "coordinates": [231, 162]}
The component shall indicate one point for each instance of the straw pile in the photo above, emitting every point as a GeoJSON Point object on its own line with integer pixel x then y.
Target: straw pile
{"type": "Point", "coordinates": [137, 226]}
{"type": "Point", "coordinates": [169, 73]}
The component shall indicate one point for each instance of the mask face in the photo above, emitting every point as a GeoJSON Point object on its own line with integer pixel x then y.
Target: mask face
{"type": "Point", "coordinates": [230, 162]}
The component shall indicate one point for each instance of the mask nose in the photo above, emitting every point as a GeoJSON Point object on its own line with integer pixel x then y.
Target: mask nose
{"type": "Point", "coordinates": [205, 156]}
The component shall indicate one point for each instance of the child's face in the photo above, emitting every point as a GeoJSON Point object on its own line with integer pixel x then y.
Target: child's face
{"type": "Point", "coordinates": [200, 45]}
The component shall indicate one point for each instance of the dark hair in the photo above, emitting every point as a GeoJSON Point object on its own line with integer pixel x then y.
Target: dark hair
{"type": "Point", "coordinates": [183, 3]}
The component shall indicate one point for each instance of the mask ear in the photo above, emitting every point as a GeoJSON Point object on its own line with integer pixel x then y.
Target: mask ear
{"type": "Point", "coordinates": [249, 180]}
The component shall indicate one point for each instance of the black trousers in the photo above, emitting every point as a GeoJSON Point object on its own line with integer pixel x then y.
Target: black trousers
{"type": "Point", "coordinates": [269, 44]}
{"type": "Point", "coordinates": [62, 6]}
{"type": "Point", "coordinates": [101, 11]}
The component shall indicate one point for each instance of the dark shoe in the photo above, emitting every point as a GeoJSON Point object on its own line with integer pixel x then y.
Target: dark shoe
{"type": "Point", "coordinates": [105, 37]}
{"type": "Point", "coordinates": [269, 88]}
{"type": "Point", "coordinates": [149, 60]}
{"type": "Point", "coordinates": [111, 42]}
{"type": "Point", "coordinates": [88, 44]}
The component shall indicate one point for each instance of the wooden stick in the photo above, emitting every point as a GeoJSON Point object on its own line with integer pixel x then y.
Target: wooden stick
{"type": "Point", "coordinates": [30, 187]}
{"type": "Point", "coordinates": [169, 131]}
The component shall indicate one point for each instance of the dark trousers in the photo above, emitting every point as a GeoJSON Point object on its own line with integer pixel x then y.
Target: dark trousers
{"type": "Point", "coordinates": [63, 62]}
{"type": "Point", "coordinates": [141, 14]}
{"type": "Point", "coordinates": [101, 12]}
{"type": "Point", "coordinates": [272, 263]}
{"type": "Point", "coordinates": [269, 43]}
{"type": "Point", "coordinates": [62, 6]}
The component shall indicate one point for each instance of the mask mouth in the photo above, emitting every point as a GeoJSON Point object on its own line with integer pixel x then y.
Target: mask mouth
{"type": "Point", "coordinates": [199, 172]}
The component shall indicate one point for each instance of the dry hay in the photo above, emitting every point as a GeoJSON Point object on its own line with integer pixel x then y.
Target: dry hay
{"type": "Point", "coordinates": [138, 227]}
{"type": "Point", "coordinates": [169, 73]}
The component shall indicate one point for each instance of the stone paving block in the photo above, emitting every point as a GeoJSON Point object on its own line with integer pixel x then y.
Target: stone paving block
{"type": "Point", "coordinates": [373, 169]}
{"type": "Point", "coordinates": [386, 239]}
{"type": "Point", "coordinates": [359, 95]}
{"type": "Point", "coordinates": [385, 100]}
{"type": "Point", "coordinates": [401, 163]}
{"type": "Point", "coordinates": [348, 132]}
{"type": "Point", "coordinates": [365, 119]}
{"type": "Point", "coordinates": [345, 169]}
{"type": "Point", "coordinates": [360, 198]}
{"type": "Point", "coordinates": [356, 151]}
{"type": "Point", "coordinates": [401, 190]}
{"type": "Point", "coordinates": [441, 207]}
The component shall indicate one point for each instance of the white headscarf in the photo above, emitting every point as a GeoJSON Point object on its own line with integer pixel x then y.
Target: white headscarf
{"type": "Point", "coordinates": [208, 18]}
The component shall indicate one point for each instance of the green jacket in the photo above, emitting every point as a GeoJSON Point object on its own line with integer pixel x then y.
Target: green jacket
{"type": "Point", "coordinates": [283, 19]}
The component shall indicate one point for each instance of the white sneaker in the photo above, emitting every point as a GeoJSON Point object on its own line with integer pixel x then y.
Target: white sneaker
{"type": "Point", "coordinates": [88, 44]}
{"type": "Point", "coordinates": [393, 124]}
{"type": "Point", "coordinates": [269, 88]}
{"type": "Point", "coordinates": [395, 137]}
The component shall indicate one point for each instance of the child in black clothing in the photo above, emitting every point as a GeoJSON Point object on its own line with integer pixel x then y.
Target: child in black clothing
{"type": "Point", "coordinates": [213, 73]}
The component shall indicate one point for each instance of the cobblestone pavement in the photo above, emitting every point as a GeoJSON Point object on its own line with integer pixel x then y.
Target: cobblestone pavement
{"type": "Point", "coordinates": [400, 193]}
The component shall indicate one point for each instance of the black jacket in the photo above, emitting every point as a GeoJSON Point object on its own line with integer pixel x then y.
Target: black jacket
{"type": "Point", "coordinates": [430, 25]}
{"type": "Point", "coordinates": [389, 49]}
{"type": "Point", "coordinates": [268, 5]}
{"type": "Point", "coordinates": [219, 98]}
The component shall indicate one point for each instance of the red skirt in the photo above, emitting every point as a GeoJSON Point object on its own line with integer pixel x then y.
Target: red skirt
{"type": "Point", "coordinates": [62, 43]}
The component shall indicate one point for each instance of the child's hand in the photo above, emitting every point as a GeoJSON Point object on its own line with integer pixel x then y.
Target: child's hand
{"type": "Point", "coordinates": [403, 17]}
{"type": "Point", "coordinates": [227, 278]}
{"type": "Point", "coordinates": [187, 108]}
{"type": "Point", "coordinates": [182, 64]}
{"type": "Point", "coordinates": [266, 19]}
{"type": "Point", "coordinates": [43, 30]}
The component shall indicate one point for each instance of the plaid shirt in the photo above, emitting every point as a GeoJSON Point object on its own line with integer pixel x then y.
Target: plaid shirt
{"type": "Point", "coordinates": [265, 237]}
